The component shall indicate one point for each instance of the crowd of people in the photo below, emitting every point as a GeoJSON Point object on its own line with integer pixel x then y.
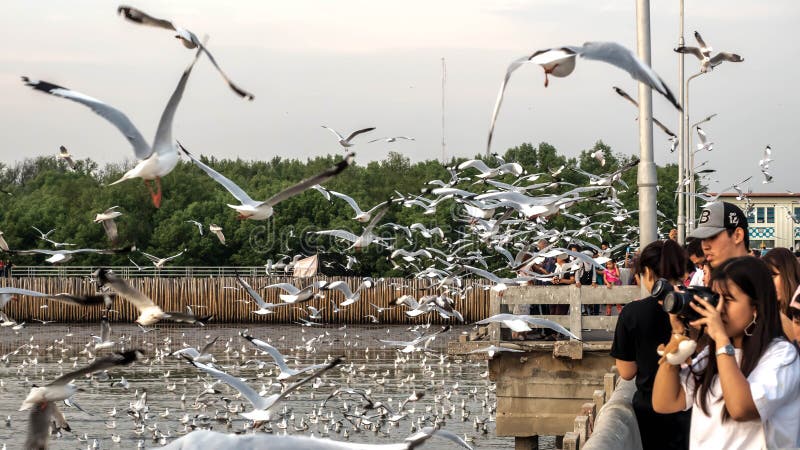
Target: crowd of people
{"type": "Point", "coordinates": [739, 385]}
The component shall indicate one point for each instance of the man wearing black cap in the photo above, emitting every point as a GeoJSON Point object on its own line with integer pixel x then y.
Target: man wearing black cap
{"type": "Point", "coordinates": [722, 228]}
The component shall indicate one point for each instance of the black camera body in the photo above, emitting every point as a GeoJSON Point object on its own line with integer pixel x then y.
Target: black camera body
{"type": "Point", "coordinates": [678, 302]}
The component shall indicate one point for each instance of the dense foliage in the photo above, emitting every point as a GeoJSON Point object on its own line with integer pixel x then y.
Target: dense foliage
{"type": "Point", "coordinates": [44, 193]}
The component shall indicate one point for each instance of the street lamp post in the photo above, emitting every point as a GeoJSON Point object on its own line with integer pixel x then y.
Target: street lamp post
{"type": "Point", "coordinates": [692, 167]}
{"type": "Point", "coordinates": [682, 150]}
{"type": "Point", "coordinates": [647, 177]}
{"type": "Point", "coordinates": [690, 205]}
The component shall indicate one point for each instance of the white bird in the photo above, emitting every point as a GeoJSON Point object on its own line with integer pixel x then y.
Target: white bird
{"type": "Point", "coordinates": [560, 62]}
{"type": "Point", "coordinates": [703, 53]}
{"type": "Point", "coordinates": [280, 360]}
{"type": "Point", "coordinates": [42, 400]}
{"type": "Point", "coordinates": [160, 262]}
{"type": "Point", "coordinates": [392, 139]}
{"type": "Point", "coordinates": [104, 340]}
{"type": "Point", "coordinates": [217, 230]}
{"type": "Point", "coordinates": [156, 161]}
{"type": "Point", "coordinates": [764, 162]}
{"type": "Point", "coordinates": [350, 297]}
{"type": "Point", "coordinates": [3, 243]}
{"type": "Point", "coordinates": [64, 154]}
{"type": "Point", "coordinates": [262, 210]}
{"type": "Point", "coordinates": [704, 142]}
{"type": "Point", "coordinates": [361, 216]}
{"type": "Point", "coordinates": [261, 405]}
{"type": "Point", "coordinates": [46, 237]}
{"type": "Point", "coordinates": [263, 307]}
{"type": "Point", "coordinates": [521, 323]}
{"type": "Point", "coordinates": [107, 219]}
{"type": "Point", "coordinates": [202, 356]}
{"type": "Point", "coordinates": [365, 239]}
{"type": "Point", "coordinates": [188, 39]}
{"type": "Point", "coordinates": [297, 295]}
{"type": "Point", "coordinates": [600, 157]}
{"type": "Point", "coordinates": [656, 122]}
{"type": "Point", "coordinates": [149, 312]}
{"type": "Point", "coordinates": [346, 142]}
{"type": "Point", "coordinates": [197, 224]}
{"type": "Point", "coordinates": [59, 256]}
{"type": "Point", "coordinates": [494, 349]}
{"type": "Point", "coordinates": [488, 172]}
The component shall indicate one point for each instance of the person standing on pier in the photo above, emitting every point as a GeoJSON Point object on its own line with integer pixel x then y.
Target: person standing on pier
{"type": "Point", "coordinates": [744, 385]}
{"type": "Point", "coordinates": [723, 230]}
{"type": "Point", "coordinates": [641, 327]}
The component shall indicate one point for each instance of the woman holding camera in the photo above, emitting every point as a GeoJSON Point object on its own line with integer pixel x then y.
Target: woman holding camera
{"type": "Point", "coordinates": [745, 384]}
{"type": "Point", "coordinates": [641, 327]}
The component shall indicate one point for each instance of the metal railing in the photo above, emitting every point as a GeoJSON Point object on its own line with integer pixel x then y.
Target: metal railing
{"type": "Point", "coordinates": [132, 271]}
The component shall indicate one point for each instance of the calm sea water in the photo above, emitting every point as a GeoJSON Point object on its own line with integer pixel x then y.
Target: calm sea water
{"type": "Point", "coordinates": [457, 387]}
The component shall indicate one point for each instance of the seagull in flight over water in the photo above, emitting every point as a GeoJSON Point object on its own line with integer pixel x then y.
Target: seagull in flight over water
{"type": "Point", "coordinates": [156, 161]}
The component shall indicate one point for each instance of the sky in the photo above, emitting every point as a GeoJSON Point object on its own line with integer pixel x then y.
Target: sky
{"type": "Point", "coordinates": [353, 64]}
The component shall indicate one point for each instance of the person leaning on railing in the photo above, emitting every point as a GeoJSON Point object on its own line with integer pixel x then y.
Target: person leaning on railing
{"type": "Point", "coordinates": [744, 385]}
{"type": "Point", "coordinates": [641, 327]}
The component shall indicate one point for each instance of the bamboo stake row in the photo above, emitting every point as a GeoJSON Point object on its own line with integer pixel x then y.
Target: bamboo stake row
{"type": "Point", "coordinates": [223, 298]}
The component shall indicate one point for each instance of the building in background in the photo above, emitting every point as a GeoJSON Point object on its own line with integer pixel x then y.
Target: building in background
{"type": "Point", "coordinates": [773, 219]}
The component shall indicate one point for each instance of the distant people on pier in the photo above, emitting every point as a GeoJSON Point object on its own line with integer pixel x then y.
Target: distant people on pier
{"type": "Point", "coordinates": [611, 277]}
{"type": "Point", "coordinates": [744, 385]}
{"type": "Point", "coordinates": [697, 259]}
{"type": "Point", "coordinates": [642, 326]}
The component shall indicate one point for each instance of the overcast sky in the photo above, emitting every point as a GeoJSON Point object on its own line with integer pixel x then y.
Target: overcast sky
{"type": "Point", "coordinates": [352, 64]}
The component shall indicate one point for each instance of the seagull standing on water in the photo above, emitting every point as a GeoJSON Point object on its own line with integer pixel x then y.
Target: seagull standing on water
{"type": "Point", "coordinates": [156, 161]}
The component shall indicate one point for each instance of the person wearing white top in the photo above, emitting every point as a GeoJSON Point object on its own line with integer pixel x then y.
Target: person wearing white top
{"type": "Point", "coordinates": [744, 386]}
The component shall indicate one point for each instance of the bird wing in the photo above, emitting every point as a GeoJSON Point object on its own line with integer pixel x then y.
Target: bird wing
{"type": "Point", "coordinates": [375, 219]}
{"type": "Point", "coordinates": [320, 178]}
{"type": "Point", "coordinates": [78, 300]}
{"type": "Point", "coordinates": [280, 360]}
{"type": "Point", "coordinates": [163, 140]}
{"type": "Point", "coordinates": [117, 118]}
{"type": "Point", "coordinates": [724, 56]}
{"type": "Point", "coordinates": [339, 234]}
{"type": "Point", "coordinates": [703, 45]}
{"type": "Point", "coordinates": [691, 51]}
{"type": "Point", "coordinates": [111, 229]}
{"type": "Point", "coordinates": [473, 163]}
{"type": "Point", "coordinates": [516, 64]}
{"type": "Point", "coordinates": [133, 295]}
{"type": "Point", "coordinates": [140, 17]}
{"type": "Point", "coordinates": [39, 425]}
{"type": "Point", "coordinates": [545, 323]}
{"type": "Point", "coordinates": [349, 201]}
{"type": "Point", "coordinates": [290, 288]}
{"type": "Point", "coordinates": [340, 286]}
{"type": "Point", "coordinates": [260, 301]}
{"type": "Point", "coordinates": [357, 132]}
{"type": "Point", "coordinates": [326, 367]}
{"type": "Point", "coordinates": [105, 330]}
{"type": "Point", "coordinates": [105, 363]}
{"type": "Point", "coordinates": [625, 95]}
{"type": "Point", "coordinates": [249, 393]}
{"type": "Point", "coordinates": [208, 346]}
{"type": "Point", "coordinates": [18, 291]}
{"type": "Point", "coordinates": [174, 256]}
{"type": "Point", "coordinates": [664, 128]}
{"type": "Point", "coordinates": [617, 55]}
{"type": "Point", "coordinates": [229, 185]}
{"type": "Point", "coordinates": [339, 136]}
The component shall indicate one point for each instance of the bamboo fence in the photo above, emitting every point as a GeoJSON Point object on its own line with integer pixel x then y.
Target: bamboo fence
{"type": "Point", "coordinates": [223, 298]}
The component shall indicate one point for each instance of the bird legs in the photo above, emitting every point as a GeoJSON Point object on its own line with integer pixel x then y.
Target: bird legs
{"type": "Point", "coordinates": [156, 196]}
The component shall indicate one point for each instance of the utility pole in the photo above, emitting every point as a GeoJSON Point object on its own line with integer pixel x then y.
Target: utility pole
{"type": "Point", "coordinates": [683, 134]}
{"type": "Point", "coordinates": [647, 178]}
{"type": "Point", "coordinates": [444, 80]}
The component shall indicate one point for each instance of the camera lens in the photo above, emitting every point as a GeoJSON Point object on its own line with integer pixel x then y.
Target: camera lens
{"type": "Point", "coordinates": [672, 303]}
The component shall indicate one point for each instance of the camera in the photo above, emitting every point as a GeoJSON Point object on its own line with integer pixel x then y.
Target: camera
{"type": "Point", "coordinates": [677, 302]}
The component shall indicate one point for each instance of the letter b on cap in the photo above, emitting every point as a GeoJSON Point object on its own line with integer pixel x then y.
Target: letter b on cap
{"type": "Point", "coordinates": [704, 216]}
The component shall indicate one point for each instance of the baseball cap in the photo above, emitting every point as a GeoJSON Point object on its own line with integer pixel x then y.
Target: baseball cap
{"type": "Point", "coordinates": [718, 217]}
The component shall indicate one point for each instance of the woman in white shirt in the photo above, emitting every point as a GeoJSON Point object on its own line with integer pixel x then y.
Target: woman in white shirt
{"type": "Point", "coordinates": [745, 384]}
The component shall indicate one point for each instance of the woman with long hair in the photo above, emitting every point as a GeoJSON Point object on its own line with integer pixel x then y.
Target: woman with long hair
{"type": "Point", "coordinates": [745, 383]}
{"type": "Point", "coordinates": [641, 327]}
{"type": "Point", "coordinates": [786, 276]}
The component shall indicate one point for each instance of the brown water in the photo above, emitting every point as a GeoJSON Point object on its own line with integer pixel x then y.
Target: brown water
{"type": "Point", "coordinates": [50, 349]}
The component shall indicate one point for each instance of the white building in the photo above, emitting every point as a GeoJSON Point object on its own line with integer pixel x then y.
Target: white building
{"type": "Point", "coordinates": [774, 220]}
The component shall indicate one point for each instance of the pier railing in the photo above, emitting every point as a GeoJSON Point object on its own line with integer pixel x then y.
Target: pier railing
{"type": "Point", "coordinates": [144, 271]}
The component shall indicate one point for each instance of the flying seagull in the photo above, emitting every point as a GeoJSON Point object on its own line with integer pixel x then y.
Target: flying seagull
{"type": "Point", "coordinates": [262, 210]}
{"type": "Point", "coordinates": [280, 360]}
{"type": "Point", "coordinates": [522, 323]}
{"type": "Point", "coordinates": [346, 142]}
{"type": "Point", "coordinates": [656, 122]}
{"type": "Point", "coordinates": [160, 262]}
{"type": "Point", "coordinates": [59, 256]}
{"type": "Point", "coordinates": [391, 139]}
{"type": "Point", "coordinates": [156, 161]}
{"type": "Point", "coordinates": [560, 62]}
{"type": "Point", "coordinates": [64, 154]}
{"type": "Point", "coordinates": [703, 53]}
{"type": "Point", "coordinates": [217, 230]}
{"type": "Point", "coordinates": [197, 224]}
{"type": "Point", "coordinates": [107, 219]}
{"type": "Point", "coordinates": [188, 39]}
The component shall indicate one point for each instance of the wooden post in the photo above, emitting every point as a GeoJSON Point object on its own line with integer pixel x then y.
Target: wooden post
{"type": "Point", "coordinates": [494, 308]}
{"type": "Point", "coordinates": [589, 410]}
{"type": "Point", "coordinates": [575, 321]}
{"type": "Point", "coordinates": [599, 398]}
{"type": "Point", "coordinates": [582, 427]}
{"type": "Point", "coordinates": [572, 441]}
{"type": "Point", "coordinates": [526, 443]}
{"type": "Point", "coordinates": [609, 383]}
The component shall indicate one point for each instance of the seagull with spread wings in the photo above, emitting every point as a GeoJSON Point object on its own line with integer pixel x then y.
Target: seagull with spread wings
{"type": "Point", "coordinates": [262, 210]}
{"type": "Point", "coordinates": [345, 142]}
{"type": "Point", "coordinates": [188, 39]}
{"type": "Point", "coordinates": [156, 161]}
{"type": "Point", "coordinates": [263, 307]}
{"type": "Point", "coordinates": [703, 53]}
{"type": "Point", "coordinates": [64, 154]}
{"type": "Point", "coordinates": [560, 62]}
{"type": "Point", "coordinates": [107, 219]}
{"type": "Point", "coordinates": [280, 360]}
